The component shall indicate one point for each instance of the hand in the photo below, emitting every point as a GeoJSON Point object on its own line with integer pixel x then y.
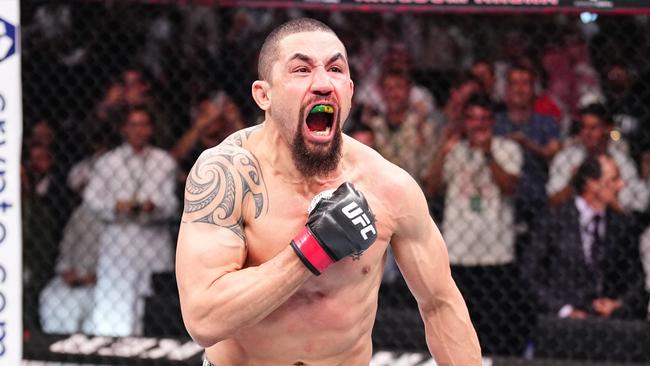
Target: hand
{"type": "Point", "coordinates": [88, 280]}
{"type": "Point", "coordinates": [71, 278]}
{"type": "Point", "coordinates": [114, 95]}
{"type": "Point", "coordinates": [207, 114]}
{"type": "Point", "coordinates": [125, 207]}
{"type": "Point", "coordinates": [450, 138]}
{"type": "Point", "coordinates": [147, 206]}
{"type": "Point", "coordinates": [519, 137]}
{"type": "Point", "coordinates": [605, 306]}
{"type": "Point", "coordinates": [577, 314]}
{"type": "Point", "coordinates": [339, 226]}
{"type": "Point", "coordinates": [486, 145]}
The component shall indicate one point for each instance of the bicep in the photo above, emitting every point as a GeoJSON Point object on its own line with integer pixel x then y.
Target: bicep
{"type": "Point", "coordinates": [205, 253]}
{"type": "Point", "coordinates": [211, 240]}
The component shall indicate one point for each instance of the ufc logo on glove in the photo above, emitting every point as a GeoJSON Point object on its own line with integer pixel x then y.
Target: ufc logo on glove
{"type": "Point", "coordinates": [358, 217]}
{"type": "Point", "coordinates": [332, 229]}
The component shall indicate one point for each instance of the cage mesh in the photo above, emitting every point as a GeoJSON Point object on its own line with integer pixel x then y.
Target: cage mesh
{"type": "Point", "coordinates": [94, 269]}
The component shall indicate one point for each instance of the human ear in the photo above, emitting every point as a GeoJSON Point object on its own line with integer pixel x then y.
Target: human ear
{"type": "Point", "coordinates": [261, 94]}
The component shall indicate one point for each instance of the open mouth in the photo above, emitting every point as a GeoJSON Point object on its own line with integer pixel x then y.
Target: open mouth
{"type": "Point", "coordinates": [320, 121]}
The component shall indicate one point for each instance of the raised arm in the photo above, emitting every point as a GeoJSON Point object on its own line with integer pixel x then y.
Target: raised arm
{"type": "Point", "coordinates": [218, 295]}
{"type": "Point", "coordinates": [503, 174]}
{"type": "Point", "coordinates": [546, 151]}
{"type": "Point", "coordinates": [422, 257]}
{"type": "Point", "coordinates": [434, 181]}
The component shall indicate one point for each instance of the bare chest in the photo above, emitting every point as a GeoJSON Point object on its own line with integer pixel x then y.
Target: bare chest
{"type": "Point", "coordinates": [286, 216]}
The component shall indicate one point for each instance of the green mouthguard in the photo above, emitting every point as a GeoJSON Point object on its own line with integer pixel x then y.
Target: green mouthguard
{"type": "Point", "coordinates": [322, 109]}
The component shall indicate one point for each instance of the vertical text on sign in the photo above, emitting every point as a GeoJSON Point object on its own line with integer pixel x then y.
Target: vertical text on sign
{"type": "Point", "coordinates": [10, 226]}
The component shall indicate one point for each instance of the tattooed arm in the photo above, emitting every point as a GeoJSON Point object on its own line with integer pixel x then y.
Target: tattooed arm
{"type": "Point", "coordinates": [219, 296]}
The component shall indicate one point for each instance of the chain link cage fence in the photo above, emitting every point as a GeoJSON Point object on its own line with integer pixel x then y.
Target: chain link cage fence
{"type": "Point", "coordinates": [541, 279]}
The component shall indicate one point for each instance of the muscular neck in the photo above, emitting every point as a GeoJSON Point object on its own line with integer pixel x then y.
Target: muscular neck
{"type": "Point", "coordinates": [276, 151]}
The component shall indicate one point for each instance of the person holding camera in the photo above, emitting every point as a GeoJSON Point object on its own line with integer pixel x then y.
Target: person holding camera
{"type": "Point", "coordinates": [132, 189]}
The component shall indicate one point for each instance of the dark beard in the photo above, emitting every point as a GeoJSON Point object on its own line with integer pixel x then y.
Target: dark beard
{"type": "Point", "coordinates": [315, 163]}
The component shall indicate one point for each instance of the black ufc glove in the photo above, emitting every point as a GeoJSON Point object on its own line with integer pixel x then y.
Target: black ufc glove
{"type": "Point", "coordinates": [340, 225]}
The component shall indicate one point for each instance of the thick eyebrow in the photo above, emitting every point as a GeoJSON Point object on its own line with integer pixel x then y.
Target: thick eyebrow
{"type": "Point", "coordinates": [301, 57]}
{"type": "Point", "coordinates": [336, 57]}
{"type": "Point", "coordinates": [309, 60]}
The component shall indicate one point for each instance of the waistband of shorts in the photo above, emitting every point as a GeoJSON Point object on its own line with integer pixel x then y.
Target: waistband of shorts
{"type": "Point", "coordinates": [206, 362]}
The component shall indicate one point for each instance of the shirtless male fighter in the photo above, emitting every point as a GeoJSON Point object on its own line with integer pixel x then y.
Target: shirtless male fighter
{"type": "Point", "coordinates": [262, 281]}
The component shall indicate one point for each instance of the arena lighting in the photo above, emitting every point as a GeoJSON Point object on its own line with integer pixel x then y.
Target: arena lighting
{"type": "Point", "coordinates": [588, 17]}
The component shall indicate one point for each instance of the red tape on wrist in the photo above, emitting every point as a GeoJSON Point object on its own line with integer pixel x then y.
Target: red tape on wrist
{"type": "Point", "coordinates": [312, 251]}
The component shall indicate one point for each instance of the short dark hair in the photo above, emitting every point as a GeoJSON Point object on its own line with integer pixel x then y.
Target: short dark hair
{"type": "Point", "coordinates": [522, 67]}
{"type": "Point", "coordinates": [479, 99]}
{"type": "Point", "coordinates": [589, 169]}
{"type": "Point", "coordinates": [394, 73]}
{"type": "Point", "coordinates": [483, 60]}
{"type": "Point", "coordinates": [269, 51]}
{"type": "Point", "coordinates": [464, 77]}
{"type": "Point", "coordinates": [599, 110]}
{"type": "Point", "coordinates": [138, 108]}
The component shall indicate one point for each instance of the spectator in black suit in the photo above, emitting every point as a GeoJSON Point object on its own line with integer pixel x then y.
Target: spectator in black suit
{"type": "Point", "coordinates": [584, 258]}
{"type": "Point", "coordinates": [45, 208]}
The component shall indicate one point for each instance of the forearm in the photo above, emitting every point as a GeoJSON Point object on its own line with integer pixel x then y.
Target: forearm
{"type": "Point", "coordinates": [547, 151]}
{"type": "Point", "coordinates": [450, 334]}
{"type": "Point", "coordinates": [506, 182]}
{"type": "Point", "coordinates": [165, 205]}
{"type": "Point", "coordinates": [434, 180]}
{"type": "Point", "coordinates": [243, 298]}
{"type": "Point", "coordinates": [101, 205]}
{"type": "Point", "coordinates": [185, 144]}
{"type": "Point", "coordinates": [537, 149]}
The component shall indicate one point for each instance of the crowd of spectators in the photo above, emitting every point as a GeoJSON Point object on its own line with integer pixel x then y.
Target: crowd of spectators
{"type": "Point", "coordinates": [533, 151]}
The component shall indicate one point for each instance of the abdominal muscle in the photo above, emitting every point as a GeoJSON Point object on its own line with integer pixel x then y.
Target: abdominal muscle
{"type": "Point", "coordinates": [314, 327]}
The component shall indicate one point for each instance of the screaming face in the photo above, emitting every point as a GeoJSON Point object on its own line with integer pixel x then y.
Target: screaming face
{"type": "Point", "coordinates": [310, 83]}
{"type": "Point", "coordinates": [316, 147]}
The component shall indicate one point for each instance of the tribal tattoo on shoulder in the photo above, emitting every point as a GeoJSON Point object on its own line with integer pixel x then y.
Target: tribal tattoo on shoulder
{"type": "Point", "coordinates": [240, 137]}
{"type": "Point", "coordinates": [220, 182]}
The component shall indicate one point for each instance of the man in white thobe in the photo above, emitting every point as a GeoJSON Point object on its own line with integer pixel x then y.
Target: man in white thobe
{"type": "Point", "coordinates": [132, 190]}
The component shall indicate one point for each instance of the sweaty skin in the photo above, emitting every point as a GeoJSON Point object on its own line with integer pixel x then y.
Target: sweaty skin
{"type": "Point", "coordinates": [245, 295]}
